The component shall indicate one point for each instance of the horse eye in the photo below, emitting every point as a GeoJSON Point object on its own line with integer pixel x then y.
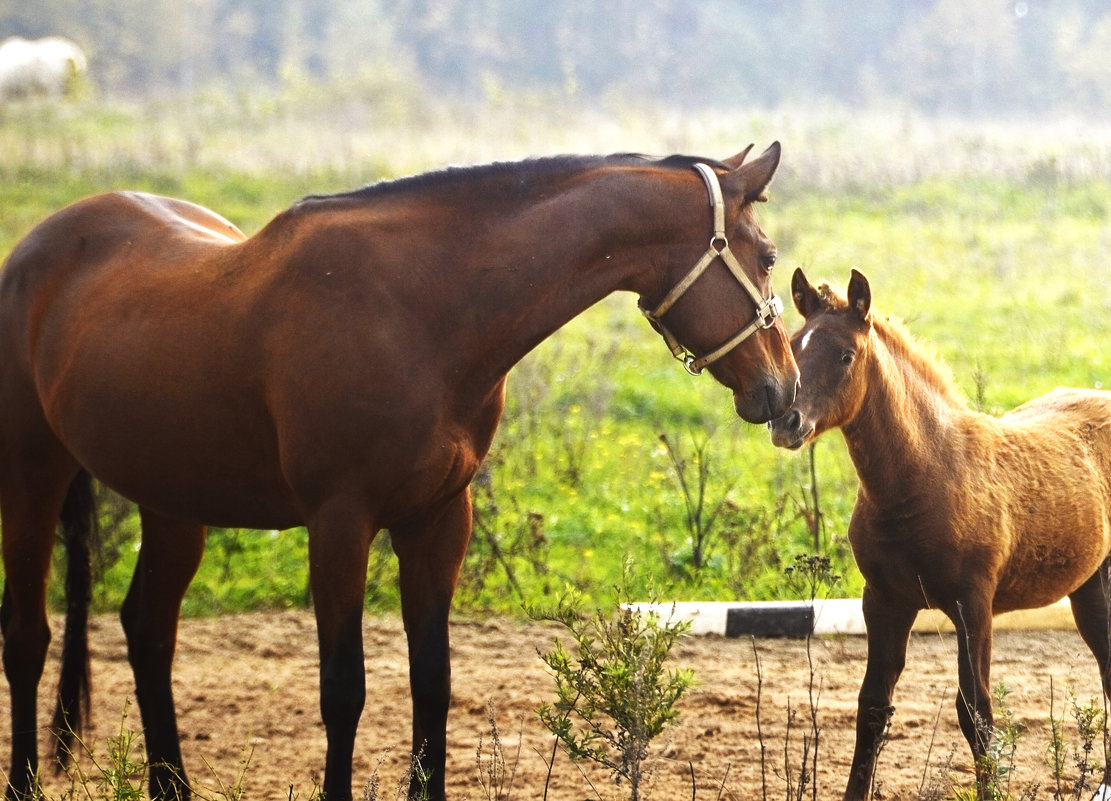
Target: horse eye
{"type": "Point", "coordinates": [768, 260]}
{"type": "Point", "coordinates": [847, 357]}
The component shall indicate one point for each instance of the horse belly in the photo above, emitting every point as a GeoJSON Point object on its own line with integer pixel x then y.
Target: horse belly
{"type": "Point", "coordinates": [170, 422]}
{"type": "Point", "coordinates": [189, 463]}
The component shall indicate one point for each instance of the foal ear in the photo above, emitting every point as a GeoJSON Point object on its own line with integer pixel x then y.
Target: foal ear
{"type": "Point", "coordinates": [751, 180]}
{"type": "Point", "coordinates": [807, 300]}
{"type": "Point", "coordinates": [860, 294]}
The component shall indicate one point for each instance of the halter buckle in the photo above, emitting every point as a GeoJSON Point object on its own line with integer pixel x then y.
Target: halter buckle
{"type": "Point", "coordinates": [768, 311]}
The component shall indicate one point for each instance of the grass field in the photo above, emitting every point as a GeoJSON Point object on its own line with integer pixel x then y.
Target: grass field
{"type": "Point", "coordinates": [990, 240]}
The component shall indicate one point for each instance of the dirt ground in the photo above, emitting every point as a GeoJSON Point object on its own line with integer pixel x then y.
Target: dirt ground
{"type": "Point", "coordinates": [249, 684]}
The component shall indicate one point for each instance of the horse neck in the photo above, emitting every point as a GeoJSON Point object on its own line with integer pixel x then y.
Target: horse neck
{"type": "Point", "coordinates": [899, 440]}
{"type": "Point", "coordinates": [547, 260]}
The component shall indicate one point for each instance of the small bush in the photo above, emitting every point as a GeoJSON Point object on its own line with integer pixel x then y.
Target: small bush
{"type": "Point", "coordinates": [614, 694]}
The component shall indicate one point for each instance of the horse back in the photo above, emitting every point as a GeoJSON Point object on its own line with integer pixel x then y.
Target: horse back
{"type": "Point", "coordinates": [107, 229]}
{"type": "Point", "coordinates": [77, 269]}
{"type": "Point", "coordinates": [110, 327]}
{"type": "Point", "coordinates": [250, 375]}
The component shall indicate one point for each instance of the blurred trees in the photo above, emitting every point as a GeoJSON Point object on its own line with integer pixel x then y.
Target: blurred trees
{"type": "Point", "coordinates": [1000, 57]}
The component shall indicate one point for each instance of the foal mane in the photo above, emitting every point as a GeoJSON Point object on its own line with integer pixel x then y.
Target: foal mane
{"type": "Point", "coordinates": [916, 357]}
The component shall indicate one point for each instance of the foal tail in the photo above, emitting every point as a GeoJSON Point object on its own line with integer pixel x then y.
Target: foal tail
{"type": "Point", "coordinates": [78, 535]}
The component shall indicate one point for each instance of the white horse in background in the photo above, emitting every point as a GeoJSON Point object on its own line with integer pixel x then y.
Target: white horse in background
{"type": "Point", "coordinates": [50, 66]}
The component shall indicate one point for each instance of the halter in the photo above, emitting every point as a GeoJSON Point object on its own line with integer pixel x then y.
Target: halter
{"type": "Point", "coordinates": [767, 309]}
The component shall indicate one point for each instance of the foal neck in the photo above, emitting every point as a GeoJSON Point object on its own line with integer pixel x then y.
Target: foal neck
{"type": "Point", "coordinates": [901, 437]}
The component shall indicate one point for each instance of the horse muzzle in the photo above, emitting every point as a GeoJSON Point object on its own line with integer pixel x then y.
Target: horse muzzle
{"type": "Point", "coordinates": [768, 400]}
{"type": "Point", "coordinates": [791, 431]}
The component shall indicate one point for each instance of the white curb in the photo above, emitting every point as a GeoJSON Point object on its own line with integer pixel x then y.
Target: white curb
{"type": "Point", "coordinates": [832, 616]}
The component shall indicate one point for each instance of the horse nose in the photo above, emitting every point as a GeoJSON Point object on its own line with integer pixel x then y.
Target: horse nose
{"type": "Point", "coordinates": [780, 397]}
{"type": "Point", "coordinates": [766, 401]}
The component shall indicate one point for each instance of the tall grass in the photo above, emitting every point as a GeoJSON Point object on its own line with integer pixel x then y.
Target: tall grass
{"type": "Point", "coordinates": [988, 240]}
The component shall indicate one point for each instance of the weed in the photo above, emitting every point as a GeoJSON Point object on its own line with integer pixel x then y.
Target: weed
{"type": "Point", "coordinates": [813, 576]}
{"type": "Point", "coordinates": [411, 786]}
{"type": "Point", "coordinates": [760, 724]}
{"type": "Point", "coordinates": [996, 766]}
{"type": "Point", "coordinates": [810, 577]}
{"type": "Point", "coordinates": [692, 476]}
{"type": "Point", "coordinates": [237, 790]}
{"type": "Point", "coordinates": [1091, 723]}
{"type": "Point", "coordinates": [118, 776]}
{"type": "Point", "coordinates": [936, 785]}
{"type": "Point", "coordinates": [492, 768]}
{"type": "Point", "coordinates": [614, 694]}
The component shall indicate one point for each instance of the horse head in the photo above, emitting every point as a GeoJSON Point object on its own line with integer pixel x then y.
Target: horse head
{"type": "Point", "coordinates": [744, 344]}
{"type": "Point", "coordinates": [830, 350]}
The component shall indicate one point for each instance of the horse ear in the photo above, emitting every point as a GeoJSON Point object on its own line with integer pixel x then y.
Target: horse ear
{"type": "Point", "coordinates": [736, 161]}
{"type": "Point", "coordinates": [752, 179]}
{"type": "Point", "coordinates": [860, 294]}
{"type": "Point", "coordinates": [806, 297]}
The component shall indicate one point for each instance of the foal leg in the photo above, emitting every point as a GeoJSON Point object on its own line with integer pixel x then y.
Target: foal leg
{"type": "Point", "coordinates": [973, 622]}
{"type": "Point", "coordinates": [1090, 610]}
{"type": "Point", "coordinates": [31, 497]}
{"type": "Point", "coordinates": [169, 556]}
{"type": "Point", "coordinates": [429, 555]}
{"type": "Point", "coordinates": [888, 628]}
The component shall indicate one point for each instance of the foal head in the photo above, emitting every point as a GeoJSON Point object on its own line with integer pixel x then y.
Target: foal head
{"type": "Point", "coordinates": [831, 350]}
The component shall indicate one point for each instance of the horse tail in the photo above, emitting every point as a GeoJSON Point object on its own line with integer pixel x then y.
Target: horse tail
{"type": "Point", "coordinates": [78, 535]}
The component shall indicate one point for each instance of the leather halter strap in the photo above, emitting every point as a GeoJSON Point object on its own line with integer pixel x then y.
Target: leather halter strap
{"type": "Point", "coordinates": [767, 309]}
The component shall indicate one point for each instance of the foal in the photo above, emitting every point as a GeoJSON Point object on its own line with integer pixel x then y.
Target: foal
{"type": "Point", "coordinates": [956, 510]}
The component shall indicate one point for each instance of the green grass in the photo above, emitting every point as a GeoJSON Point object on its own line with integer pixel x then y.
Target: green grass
{"type": "Point", "coordinates": [996, 262]}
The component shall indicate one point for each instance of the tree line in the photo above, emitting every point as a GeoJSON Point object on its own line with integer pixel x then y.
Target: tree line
{"type": "Point", "coordinates": [999, 57]}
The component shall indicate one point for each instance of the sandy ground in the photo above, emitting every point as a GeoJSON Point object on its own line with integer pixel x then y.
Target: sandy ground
{"type": "Point", "coordinates": [248, 684]}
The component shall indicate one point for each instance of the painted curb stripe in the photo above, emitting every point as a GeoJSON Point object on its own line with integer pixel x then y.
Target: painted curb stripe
{"type": "Point", "coordinates": [791, 621]}
{"type": "Point", "coordinates": [832, 616]}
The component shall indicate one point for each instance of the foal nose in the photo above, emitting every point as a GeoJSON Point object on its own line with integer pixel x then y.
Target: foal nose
{"type": "Point", "coordinates": [788, 422]}
{"type": "Point", "coordinates": [790, 431]}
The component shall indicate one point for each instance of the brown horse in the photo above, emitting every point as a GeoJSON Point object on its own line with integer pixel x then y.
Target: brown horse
{"type": "Point", "coordinates": [956, 510]}
{"type": "Point", "coordinates": [344, 368]}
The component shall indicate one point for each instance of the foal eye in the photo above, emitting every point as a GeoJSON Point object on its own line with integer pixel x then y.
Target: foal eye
{"type": "Point", "coordinates": [846, 357]}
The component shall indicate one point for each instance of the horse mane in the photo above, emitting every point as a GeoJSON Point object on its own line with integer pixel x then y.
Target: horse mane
{"type": "Point", "coordinates": [521, 173]}
{"type": "Point", "coordinates": [907, 349]}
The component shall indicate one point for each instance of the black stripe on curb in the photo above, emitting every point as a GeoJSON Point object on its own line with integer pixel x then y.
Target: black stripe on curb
{"type": "Point", "coordinates": [788, 620]}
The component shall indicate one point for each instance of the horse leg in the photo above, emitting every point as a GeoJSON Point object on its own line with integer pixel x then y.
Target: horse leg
{"type": "Point", "coordinates": [31, 499]}
{"type": "Point", "coordinates": [429, 554]}
{"type": "Point", "coordinates": [973, 622]}
{"type": "Point", "coordinates": [1090, 609]}
{"type": "Point", "coordinates": [169, 556]}
{"type": "Point", "coordinates": [888, 628]}
{"type": "Point", "coordinates": [340, 533]}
